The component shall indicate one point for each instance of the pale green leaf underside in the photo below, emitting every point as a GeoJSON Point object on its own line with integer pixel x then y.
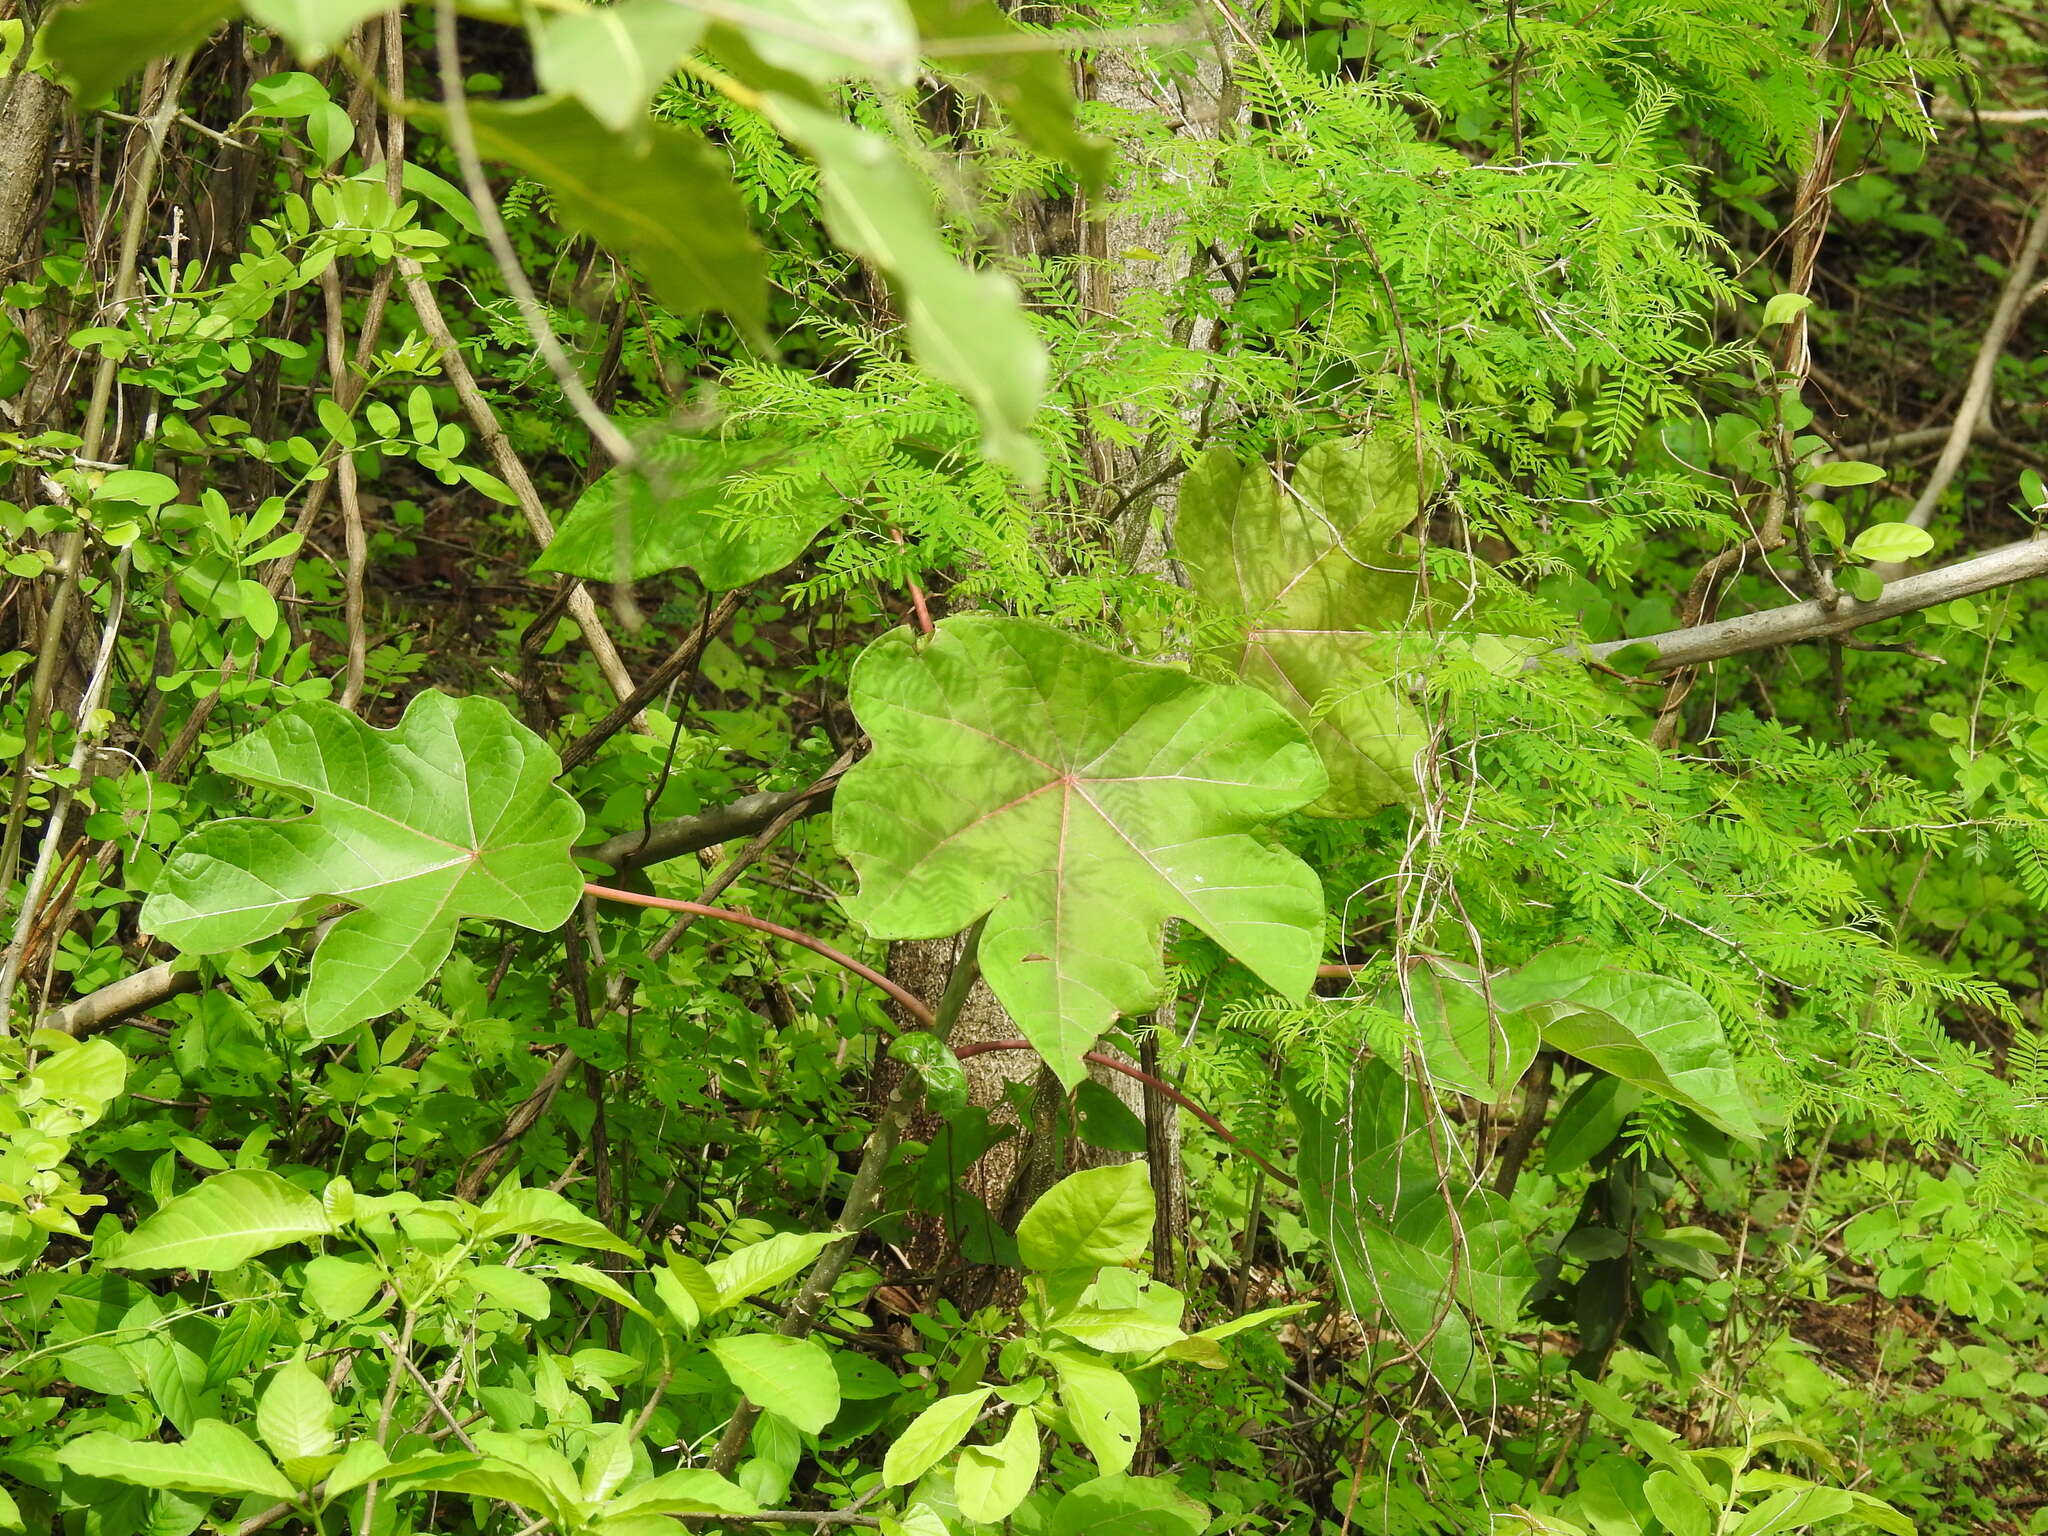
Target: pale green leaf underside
{"type": "Point", "coordinates": [681, 510]}
{"type": "Point", "coordinates": [1080, 800]}
{"type": "Point", "coordinates": [1306, 565]}
{"type": "Point", "coordinates": [454, 813]}
{"type": "Point", "coordinates": [222, 1222]}
{"type": "Point", "coordinates": [967, 328]}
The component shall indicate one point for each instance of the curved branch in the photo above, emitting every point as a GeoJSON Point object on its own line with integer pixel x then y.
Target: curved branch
{"type": "Point", "coordinates": [686, 834]}
{"type": "Point", "coordinates": [915, 1006]}
{"type": "Point", "coordinates": [1811, 621]}
{"type": "Point", "coordinates": [118, 1000]}
{"type": "Point", "coordinates": [1976, 406]}
{"type": "Point", "coordinates": [909, 1002]}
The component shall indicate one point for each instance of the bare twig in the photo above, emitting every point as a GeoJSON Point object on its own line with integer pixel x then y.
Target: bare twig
{"type": "Point", "coordinates": [865, 1193]}
{"type": "Point", "coordinates": [511, 469]}
{"type": "Point", "coordinates": [141, 187]}
{"type": "Point", "coordinates": [455, 105]}
{"type": "Point", "coordinates": [682, 659]}
{"type": "Point", "coordinates": [1975, 409]}
{"type": "Point", "coordinates": [60, 806]}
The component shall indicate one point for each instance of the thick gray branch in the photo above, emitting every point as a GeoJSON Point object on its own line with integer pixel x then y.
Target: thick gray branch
{"type": "Point", "coordinates": [686, 834]}
{"type": "Point", "coordinates": [119, 1000]}
{"type": "Point", "coordinates": [1811, 621]}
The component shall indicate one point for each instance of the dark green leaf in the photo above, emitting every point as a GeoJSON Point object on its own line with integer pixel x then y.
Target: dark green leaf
{"type": "Point", "coordinates": [99, 43]}
{"type": "Point", "coordinates": [631, 193]}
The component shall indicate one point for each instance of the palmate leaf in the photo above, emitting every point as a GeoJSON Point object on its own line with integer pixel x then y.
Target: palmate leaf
{"type": "Point", "coordinates": [1305, 564]}
{"type": "Point", "coordinates": [1080, 799]}
{"type": "Point", "coordinates": [452, 814]}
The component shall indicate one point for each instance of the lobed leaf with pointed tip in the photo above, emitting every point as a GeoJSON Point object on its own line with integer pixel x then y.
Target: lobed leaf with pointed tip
{"type": "Point", "coordinates": [1306, 565]}
{"type": "Point", "coordinates": [453, 813]}
{"type": "Point", "coordinates": [1080, 799]}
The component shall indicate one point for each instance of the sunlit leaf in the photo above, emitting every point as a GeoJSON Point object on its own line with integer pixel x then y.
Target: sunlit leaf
{"type": "Point", "coordinates": [216, 1458]}
{"type": "Point", "coordinates": [451, 814]}
{"type": "Point", "coordinates": [1889, 542]}
{"type": "Point", "coordinates": [1080, 799]}
{"type": "Point", "coordinates": [790, 1377]}
{"type": "Point", "coordinates": [222, 1222]}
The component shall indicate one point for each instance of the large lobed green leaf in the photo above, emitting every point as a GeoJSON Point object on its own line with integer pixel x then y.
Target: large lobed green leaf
{"type": "Point", "coordinates": [1080, 800]}
{"type": "Point", "coordinates": [1305, 565]}
{"type": "Point", "coordinates": [452, 814]}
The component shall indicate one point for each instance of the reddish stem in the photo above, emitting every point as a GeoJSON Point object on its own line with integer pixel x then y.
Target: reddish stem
{"type": "Point", "coordinates": [909, 1002]}
{"type": "Point", "coordinates": [917, 602]}
{"type": "Point", "coordinates": [913, 1006]}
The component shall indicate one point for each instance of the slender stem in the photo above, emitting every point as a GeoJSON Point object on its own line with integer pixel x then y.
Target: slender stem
{"type": "Point", "coordinates": [908, 1001]}
{"type": "Point", "coordinates": [866, 1192]}
{"type": "Point", "coordinates": [60, 808]}
{"type": "Point", "coordinates": [71, 552]}
{"type": "Point", "coordinates": [603, 431]}
{"type": "Point", "coordinates": [1157, 1084]}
